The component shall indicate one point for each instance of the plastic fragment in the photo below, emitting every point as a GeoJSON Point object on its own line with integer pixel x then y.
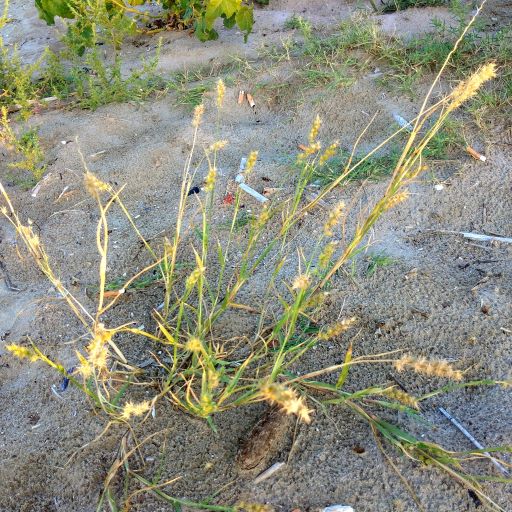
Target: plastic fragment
{"type": "Point", "coordinates": [241, 183]}
{"type": "Point", "coordinates": [269, 472]}
{"type": "Point", "coordinates": [37, 188]}
{"type": "Point", "coordinates": [193, 190]}
{"type": "Point", "coordinates": [64, 383]}
{"type": "Point", "coordinates": [402, 122]}
{"type": "Point", "coordinates": [229, 198]}
{"type": "Point", "coordinates": [338, 508]}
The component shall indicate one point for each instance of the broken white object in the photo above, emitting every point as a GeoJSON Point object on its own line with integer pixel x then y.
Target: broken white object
{"type": "Point", "coordinates": [457, 424]}
{"type": "Point", "coordinates": [338, 508]}
{"type": "Point", "coordinates": [439, 186]}
{"type": "Point", "coordinates": [486, 238]}
{"type": "Point", "coordinates": [269, 472]}
{"type": "Point", "coordinates": [240, 180]}
{"type": "Point", "coordinates": [402, 122]}
{"type": "Point", "coordinates": [37, 188]}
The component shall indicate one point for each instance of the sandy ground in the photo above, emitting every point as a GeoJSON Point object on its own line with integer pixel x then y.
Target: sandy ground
{"type": "Point", "coordinates": [442, 296]}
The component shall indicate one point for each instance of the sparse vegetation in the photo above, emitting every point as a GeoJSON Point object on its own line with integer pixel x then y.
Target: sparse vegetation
{"type": "Point", "coordinates": [183, 13]}
{"type": "Point", "coordinates": [25, 145]}
{"type": "Point", "coordinates": [376, 261]}
{"type": "Point", "coordinates": [201, 267]}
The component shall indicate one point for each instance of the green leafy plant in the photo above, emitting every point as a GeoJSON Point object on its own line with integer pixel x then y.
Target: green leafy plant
{"type": "Point", "coordinates": [25, 145]}
{"type": "Point", "coordinates": [376, 261]}
{"type": "Point", "coordinates": [199, 14]}
{"type": "Point", "coordinates": [400, 5]}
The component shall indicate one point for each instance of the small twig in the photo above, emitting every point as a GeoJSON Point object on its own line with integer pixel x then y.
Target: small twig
{"type": "Point", "coordinates": [7, 279]}
{"type": "Point", "coordinates": [462, 429]}
{"type": "Point", "coordinates": [477, 236]}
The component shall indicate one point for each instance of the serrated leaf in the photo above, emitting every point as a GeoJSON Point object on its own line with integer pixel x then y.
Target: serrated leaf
{"type": "Point", "coordinates": [48, 9]}
{"type": "Point", "coordinates": [229, 22]}
{"type": "Point", "coordinates": [245, 19]}
{"type": "Point", "coordinates": [203, 32]}
{"type": "Point", "coordinates": [216, 8]}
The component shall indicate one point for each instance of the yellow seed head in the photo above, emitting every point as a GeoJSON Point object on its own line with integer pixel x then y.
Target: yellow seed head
{"type": "Point", "coordinates": [315, 128]}
{"type": "Point", "coordinates": [23, 352]}
{"type": "Point", "coordinates": [308, 151]}
{"type": "Point", "coordinates": [94, 185]}
{"type": "Point", "coordinates": [316, 300]}
{"type": "Point", "coordinates": [262, 219]}
{"type": "Point", "coordinates": [193, 278]}
{"type": "Point", "coordinates": [337, 328]}
{"type": "Point", "coordinates": [398, 198]}
{"type": "Point", "coordinates": [194, 345]}
{"type": "Point", "coordinates": [253, 507]}
{"type": "Point", "coordinates": [85, 369]}
{"type": "Point", "coordinates": [221, 91]}
{"type": "Point", "coordinates": [97, 350]}
{"type": "Point", "coordinates": [301, 282]}
{"type": "Point", "coordinates": [287, 399]}
{"type": "Point", "coordinates": [401, 396]}
{"type": "Point", "coordinates": [334, 217]}
{"type": "Point", "coordinates": [216, 146]}
{"type": "Point", "coordinates": [98, 354]}
{"type": "Point", "coordinates": [198, 115]}
{"type": "Point", "coordinates": [468, 88]}
{"type": "Point", "coordinates": [213, 379]}
{"type": "Point", "coordinates": [425, 367]}
{"type": "Point", "coordinates": [210, 179]}
{"type": "Point", "coordinates": [207, 405]}
{"type": "Point", "coordinates": [328, 153]}
{"type": "Point", "coordinates": [130, 409]}
{"type": "Point", "coordinates": [326, 255]}
{"type": "Point", "coordinates": [251, 161]}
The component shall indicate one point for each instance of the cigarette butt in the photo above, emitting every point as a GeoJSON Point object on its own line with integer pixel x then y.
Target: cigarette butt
{"type": "Point", "coordinates": [112, 294]}
{"type": "Point", "coordinates": [302, 147]}
{"type": "Point", "coordinates": [268, 191]}
{"type": "Point", "coordinates": [475, 154]}
{"type": "Point", "coordinates": [241, 96]}
{"type": "Point", "coordinates": [269, 472]}
{"type": "Point", "coordinates": [250, 99]}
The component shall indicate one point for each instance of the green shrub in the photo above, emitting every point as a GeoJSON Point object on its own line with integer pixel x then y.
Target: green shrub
{"type": "Point", "coordinates": [198, 14]}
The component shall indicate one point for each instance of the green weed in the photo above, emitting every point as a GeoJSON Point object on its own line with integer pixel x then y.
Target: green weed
{"type": "Point", "coordinates": [25, 145]}
{"type": "Point", "coordinates": [400, 5]}
{"type": "Point", "coordinates": [376, 261]}
{"type": "Point", "coordinates": [374, 168]}
{"type": "Point", "coordinates": [191, 97]}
